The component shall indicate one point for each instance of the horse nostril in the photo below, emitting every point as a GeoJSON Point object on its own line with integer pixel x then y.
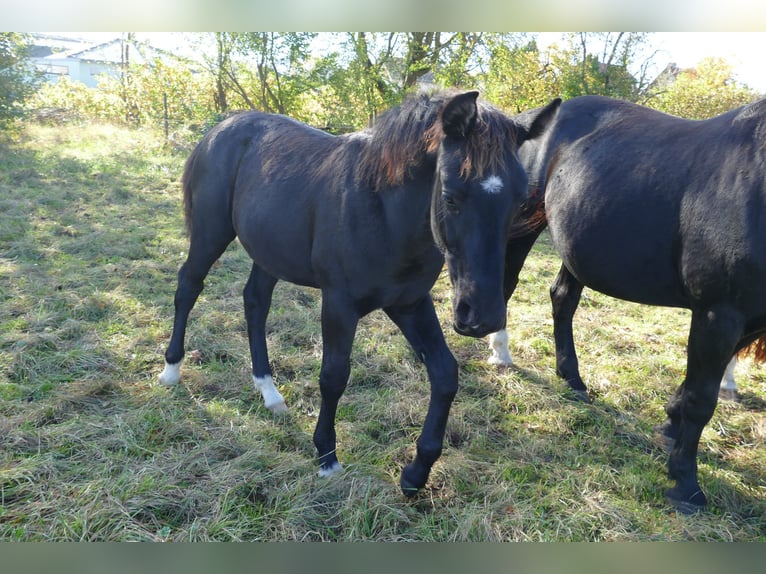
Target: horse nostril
{"type": "Point", "coordinates": [463, 318]}
{"type": "Point", "coordinates": [462, 312]}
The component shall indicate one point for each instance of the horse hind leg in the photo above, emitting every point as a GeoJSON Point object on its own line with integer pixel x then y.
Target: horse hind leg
{"type": "Point", "coordinates": [713, 337]}
{"type": "Point", "coordinates": [191, 279]}
{"type": "Point", "coordinates": [339, 323]}
{"type": "Point", "coordinates": [728, 389]}
{"type": "Point", "coordinates": [257, 297]}
{"type": "Point", "coordinates": [565, 296]}
{"type": "Point", "coordinates": [668, 431]}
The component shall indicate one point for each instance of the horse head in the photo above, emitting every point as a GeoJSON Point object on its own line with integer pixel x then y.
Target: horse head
{"type": "Point", "coordinates": [479, 187]}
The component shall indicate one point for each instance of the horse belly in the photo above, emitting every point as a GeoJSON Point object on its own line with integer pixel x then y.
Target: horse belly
{"type": "Point", "coordinates": [629, 253]}
{"type": "Point", "coordinates": [638, 278]}
{"type": "Point", "coordinates": [279, 244]}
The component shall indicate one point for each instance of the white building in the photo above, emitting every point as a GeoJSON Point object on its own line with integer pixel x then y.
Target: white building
{"type": "Point", "coordinates": [83, 61]}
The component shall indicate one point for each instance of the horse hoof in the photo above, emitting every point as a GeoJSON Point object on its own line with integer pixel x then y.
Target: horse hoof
{"type": "Point", "coordinates": [728, 395]}
{"type": "Point", "coordinates": [580, 396]}
{"type": "Point", "coordinates": [414, 477]}
{"type": "Point", "coordinates": [687, 506]}
{"type": "Point", "coordinates": [499, 361]}
{"type": "Point", "coordinates": [171, 374]}
{"type": "Point", "coordinates": [277, 409]}
{"type": "Point", "coordinates": [332, 469]}
{"type": "Point", "coordinates": [409, 490]}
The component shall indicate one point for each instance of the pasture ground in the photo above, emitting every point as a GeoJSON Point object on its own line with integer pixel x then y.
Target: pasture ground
{"type": "Point", "coordinates": [93, 448]}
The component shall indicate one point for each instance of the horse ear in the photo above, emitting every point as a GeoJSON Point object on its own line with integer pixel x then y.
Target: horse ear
{"type": "Point", "coordinates": [459, 115]}
{"type": "Point", "coordinates": [533, 123]}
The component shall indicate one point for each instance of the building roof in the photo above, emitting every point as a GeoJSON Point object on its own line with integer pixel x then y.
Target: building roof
{"type": "Point", "coordinates": [43, 45]}
{"type": "Point", "coordinates": [48, 46]}
{"type": "Point", "coordinates": [111, 52]}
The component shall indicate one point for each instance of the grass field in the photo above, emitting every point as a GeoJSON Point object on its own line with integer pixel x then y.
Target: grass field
{"type": "Point", "coordinates": [93, 448]}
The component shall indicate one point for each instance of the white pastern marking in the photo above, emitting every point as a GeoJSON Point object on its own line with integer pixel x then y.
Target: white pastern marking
{"type": "Point", "coordinates": [335, 468]}
{"type": "Point", "coordinates": [728, 383]}
{"type": "Point", "coordinates": [498, 343]}
{"type": "Point", "coordinates": [272, 400]}
{"type": "Point", "coordinates": [171, 374]}
{"type": "Point", "coordinates": [493, 184]}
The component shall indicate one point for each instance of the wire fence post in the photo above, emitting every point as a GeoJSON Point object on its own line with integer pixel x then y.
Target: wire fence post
{"type": "Point", "coordinates": [165, 106]}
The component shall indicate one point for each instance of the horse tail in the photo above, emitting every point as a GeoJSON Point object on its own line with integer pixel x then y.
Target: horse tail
{"type": "Point", "coordinates": [186, 185]}
{"type": "Point", "coordinates": [531, 218]}
{"type": "Point", "coordinates": [756, 350]}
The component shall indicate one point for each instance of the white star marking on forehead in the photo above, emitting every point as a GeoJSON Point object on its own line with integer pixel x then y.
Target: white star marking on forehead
{"type": "Point", "coordinates": [493, 184]}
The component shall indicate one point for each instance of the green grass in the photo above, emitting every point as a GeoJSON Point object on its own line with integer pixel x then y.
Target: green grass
{"type": "Point", "coordinates": [93, 448]}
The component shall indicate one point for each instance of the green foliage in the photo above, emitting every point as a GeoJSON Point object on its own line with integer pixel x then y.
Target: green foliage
{"type": "Point", "coordinates": [157, 96]}
{"type": "Point", "coordinates": [520, 77]}
{"type": "Point", "coordinates": [17, 80]}
{"type": "Point", "coordinates": [700, 93]}
{"type": "Point", "coordinates": [341, 81]}
{"type": "Point", "coordinates": [78, 102]}
{"type": "Point", "coordinates": [258, 70]}
{"type": "Point", "coordinates": [148, 94]}
{"type": "Point", "coordinates": [517, 79]}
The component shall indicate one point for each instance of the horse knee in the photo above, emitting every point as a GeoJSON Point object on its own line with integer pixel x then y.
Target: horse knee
{"type": "Point", "coordinates": [333, 378]}
{"type": "Point", "coordinates": [443, 375]}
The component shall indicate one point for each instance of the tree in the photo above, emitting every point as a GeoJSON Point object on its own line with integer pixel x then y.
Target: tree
{"type": "Point", "coordinates": [604, 63]}
{"type": "Point", "coordinates": [518, 79]}
{"type": "Point", "coordinates": [701, 93]}
{"type": "Point", "coordinates": [17, 81]}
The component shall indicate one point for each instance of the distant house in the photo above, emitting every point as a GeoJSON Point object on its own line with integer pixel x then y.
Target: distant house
{"type": "Point", "coordinates": [82, 61]}
{"type": "Point", "coordinates": [667, 77]}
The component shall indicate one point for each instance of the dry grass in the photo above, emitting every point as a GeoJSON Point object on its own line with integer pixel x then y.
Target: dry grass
{"type": "Point", "coordinates": [92, 448]}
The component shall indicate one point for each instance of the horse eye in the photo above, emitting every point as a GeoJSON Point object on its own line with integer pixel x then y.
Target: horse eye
{"type": "Point", "coordinates": [449, 202]}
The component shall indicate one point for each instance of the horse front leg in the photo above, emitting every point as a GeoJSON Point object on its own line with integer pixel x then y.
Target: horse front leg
{"type": "Point", "coordinates": [339, 322]}
{"type": "Point", "coordinates": [713, 337]}
{"type": "Point", "coordinates": [516, 252]}
{"type": "Point", "coordinates": [421, 327]}
{"type": "Point", "coordinates": [565, 296]}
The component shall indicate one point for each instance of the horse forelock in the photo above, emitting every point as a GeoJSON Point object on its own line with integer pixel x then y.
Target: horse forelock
{"type": "Point", "coordinates": [486, 145]}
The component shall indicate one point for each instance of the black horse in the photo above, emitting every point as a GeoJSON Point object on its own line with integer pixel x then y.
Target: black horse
{"type": "Point", "coordinates": [369, 218]}
{"type": "Point", "coordinates": [655, 209]}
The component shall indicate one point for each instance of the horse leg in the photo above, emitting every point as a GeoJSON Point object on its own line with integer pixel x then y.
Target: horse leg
{"type": "Point", "coordinates": [668, 431]}
{"type": "Point", "coordinates": [728, 390]}
{"type": "Point", "coordinates": [421, 327]}
{"type": "Point", "coordinates": [257, 297]}
{"type": "Point", "coordinates": [516, 252]}
{"type": "Point", "coordinates": [191, 278]}
{"type": "Point", "coordinates": [565, 296]}
{"type": "Point", "coordinates": [713, 337]}
{"type": "Point", "coordinates": [339, 322]}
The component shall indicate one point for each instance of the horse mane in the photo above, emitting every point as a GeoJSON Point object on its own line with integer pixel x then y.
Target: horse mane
{"type": "Point", "coordinates": [403, 136]}
{"type": "Point", "coordinates": [397, 141]}
{"type": "Point", "coordinates": [531, 217]}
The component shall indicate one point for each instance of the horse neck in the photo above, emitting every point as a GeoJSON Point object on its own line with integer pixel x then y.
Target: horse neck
{"type": "Point", "coordinates": [408, 207]}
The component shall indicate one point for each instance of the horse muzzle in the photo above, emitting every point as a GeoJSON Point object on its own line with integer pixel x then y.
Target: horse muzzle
{"type": "Point", "coordinates": [472, 321]}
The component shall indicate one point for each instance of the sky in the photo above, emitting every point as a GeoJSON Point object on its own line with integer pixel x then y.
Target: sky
{"type": "Point", "coordinates": [743, 50]}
